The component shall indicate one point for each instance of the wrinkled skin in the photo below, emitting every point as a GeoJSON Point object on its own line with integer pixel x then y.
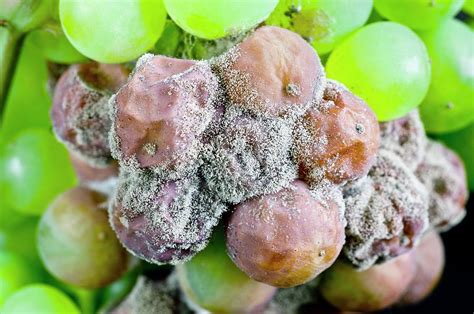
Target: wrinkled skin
{"type": "Point", "coordinates": [161, 113]}
{"type": "Point", "coordinates": [338, 138]}
{"type": "Point", "coordinates": [76, 243]}
{"type": "Point", "coordinates": [163, 221]}
{"type": "Point", "coordinates": [429, 258]}
{"type": "Point", "coordinates": [273, 71]}
{"type": "Point", "coordinates": [370, 290]}
{"type": "Point", "coordinates": [386, 212]}
{"type": "Point", "coordinates": [443, 174]}
{"type": "Point", "coordinates": [211, 281]}
{"type": "Point", "coordinates": [286, 238]}
{"type": "Point", "coordinates": [80, 111]}
{"type": "Point", "coordinates": [406, 138]}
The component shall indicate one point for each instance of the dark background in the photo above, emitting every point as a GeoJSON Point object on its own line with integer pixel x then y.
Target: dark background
{"type": "Point", "coordinates": [455, 292]}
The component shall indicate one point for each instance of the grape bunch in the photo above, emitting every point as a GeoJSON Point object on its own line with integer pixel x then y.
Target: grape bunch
{"type": "Point", "coordinates": [291, 156]}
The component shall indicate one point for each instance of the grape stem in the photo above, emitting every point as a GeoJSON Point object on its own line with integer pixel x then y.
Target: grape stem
{"type": "Point", "coordinates": [86, 300]}
{"type": "Point", "coordinates": [9, 52]}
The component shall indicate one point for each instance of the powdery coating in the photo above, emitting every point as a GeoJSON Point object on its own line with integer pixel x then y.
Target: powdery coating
{"type": "Point", "coordinates": [337, 139]}
{"type": "Point", "coordinates": [429, 259]}
{"type": "Point", "coordinates": [273, 71]}
{"type": "Point", "coordinates": [149, 297]}
{"type": "Point", "coordinates": [80, 111]}
{"type": "Point", "coordinates": [370, 290]}
{"type": "Point", "coordinates": [292, 300]}
{"type": "Point", "coordinates": [161, 113]}
{"type": "Point", "coordinates": [249, 156]}
{"type": "Point", "coordinates": [386, 212]}
{"type": "Point", "coordinates": [286, 238]}
{"type": "Point", "coordinates": [163, 221]}
{"type": "Point", "coordinates": [442, 172]}
{"type": "Point", "coordinates": [406, 138]}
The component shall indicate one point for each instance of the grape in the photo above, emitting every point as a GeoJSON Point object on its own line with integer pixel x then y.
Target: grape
{"type": "Point", "coordinates": [214, 19]}
{"type": "Point", "coordinates": [24, 15]}
{"type": "Point", "coordinates": [462, 142]}
{"type": "Point", "coordinates": [36, 167]}
{"type": "Point", "coordinates": [449, 104]}
{"type": "Point", "coordinates": [15, 272]}
{"type": "Point", "coordinates": [55, 46]}
{"type": "Point", "coordinates": [76, 242]}
{"type": "Point", "coordinates": [385, 64]}
{"type": "Point", "coordinates": [112, 31]}
{"type": "Point", "coordinates": [469, 7]}
{"type": "Point", "coordinates": [418, 14]}
{"type": "Point", "coordinates": [39, 298]}
{"type": "Point", "coordinates": [21, 239]}
{"type": "Point", "coordinates": [28, 103]}
{"type": "Point", "coordinates": [324, 23]}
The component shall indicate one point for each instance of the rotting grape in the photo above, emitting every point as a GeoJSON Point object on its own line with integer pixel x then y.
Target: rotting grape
{"type": "Point", "coordinates": [287, 238]}
{"type": "Point", "coordinates": [337, 139]}
{"type": "Point", "coordinates": [386, 64]}
{"type": "Point", "coordinates": [273, 71]}
{"type": "Point", "coordinates": [77, 223]}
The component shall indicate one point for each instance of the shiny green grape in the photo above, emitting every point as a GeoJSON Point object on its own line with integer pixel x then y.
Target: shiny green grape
{"type": "Point", "coordinates": [418, 14]}
{"type": "Point", "coordinates": [39, 299]}
{"type": "Point", "coordinates": [324, 23]}
{"type": "Point", "coordinates": [15, 272]}
{"type": "Point", "coordinates": [469, 7]}
{"type": "Point", "coordinates": [386, 64]}
{"type": "Point", "coordinates": [112, 31]}
{"type": "Point", "coordinates": [462, 142]}
{"type": "Point", "coordinates": [21, 240]}
{"type": "Point", "coordinates": [36, 168]}
{"type": "Point", "coordinates": [212, 281]}
{"type": "Point", "coordinates": [77, 244]}
{"type": "Point", "coordinates": [55, 46]}
{"type": "Point", "coordinates": [24, 15]}
{"type": "Point", "coordinates": [449, 105]}
{"type": "Point", "coordinates": [28, 102]}
{"type": "Point", "coordinates": [212, 19]}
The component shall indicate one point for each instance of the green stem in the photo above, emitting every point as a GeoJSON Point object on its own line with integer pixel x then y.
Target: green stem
{"type": "Point", "coordinates": [86, 300]}
{"type": "Point", "coordinates": [10, 43]}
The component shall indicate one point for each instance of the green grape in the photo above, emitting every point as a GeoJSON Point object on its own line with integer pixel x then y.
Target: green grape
{"type": "Point", "coordinates": [418, 14]}
{"type": "Point", "coordinates": [24, 15]}
{"type": "Point", "coordinates": [76, 242]}
{"type": "Point", "coordinates": [113, 294]}
{"type": "Point", "coordinates": [214, 19]}
{"type": "Point", "coordinates": [169, 40]}
{"type": "Point", "coordinates": [386, 64]}
{"type": "Point", "coordinates": [212, 281]}
{"type": "Point", "coordinates": [36, 168]}
{"type": "Point", "coordinates": [112, 31]}
{"type": "Point", "coordinates": [55, 46]}
{"type": "Point", "coordinates": [449, 104]}
{"type": "Point", "coordinates": [39, 299]}
{"type": "Point", "coordinates": [28, 102]}
{"type": "Point", "coordinates": [21, 239]}
{"type": "Point", "coordinates": [324, 23]}
{"type": "Point", "coordinates": [462, 142]}
{"type": "Point", "coordinates": [469, 7]}
{"type": "Point", "coordinates": [15, 272]}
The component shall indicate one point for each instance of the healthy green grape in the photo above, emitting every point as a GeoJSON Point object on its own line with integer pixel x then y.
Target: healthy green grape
{"type": "Point", "coordinates": [21, 240]}
{"type": "Point", "coordinates": [212, 281]}
{"type": "Point", "coordinates": [418, 14]}
{"type": "Point", "coordinates": [462, 142]}
{"type": "Point", "coordinates": [28, 102]}
{"type": "Point", "coordinates": [15, 272]}
{"type": "Point", "coordinates": [469, 7]}
{"type": "Point", "coordinates": [112, 31]}
{"type": "Point", "coordinates": [55, 46]}
{"type": "Point", "coordinates": [212, 19]}
{"type": "Point", "coordinates": [324, 23]}
{"type": "Point", "coordinates": [449, 105]}
{"type": "Point", "coordinates": [24, 15]}
{"type": "Point", "coordinates": [76, 242]}
{"type": "Point", "coordinates": [386, 64]}
{"type": "Point", "coordinates": [36, 168]}
{"type": "Point", "coordinates": [39, 299]}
